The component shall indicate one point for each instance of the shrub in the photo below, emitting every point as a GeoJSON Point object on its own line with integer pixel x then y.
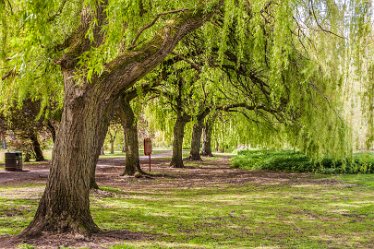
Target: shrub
{"type": "Point", "coordinates": [294, 161]}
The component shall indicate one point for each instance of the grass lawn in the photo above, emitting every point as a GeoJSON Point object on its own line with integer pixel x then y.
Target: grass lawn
{"type": "Point", "coordinates": [339, 214]}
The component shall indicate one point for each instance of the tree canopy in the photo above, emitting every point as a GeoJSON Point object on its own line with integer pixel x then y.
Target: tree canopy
{"type": "Point", "coordinates": [281, 71]}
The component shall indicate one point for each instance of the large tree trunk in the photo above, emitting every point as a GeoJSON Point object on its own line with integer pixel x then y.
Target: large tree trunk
{"type": "Point", "coordinates": [64, 206]}
{"type": "Point", "coordinates": [207, 137]}
{"type": "Point", "coordinates": [196, 140]}
{"type": "Point", "coordinates": [36, 147]}
{"type": "Point", "coordinates": [130, 128]}
{"type": "Point", "coordinates": [177, 158]}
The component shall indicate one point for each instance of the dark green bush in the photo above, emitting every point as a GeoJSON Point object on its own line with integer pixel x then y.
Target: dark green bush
{"type": "Point", "coordinates": [293, 161]}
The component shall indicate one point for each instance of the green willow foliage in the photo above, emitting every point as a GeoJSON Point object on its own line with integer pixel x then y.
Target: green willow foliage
{"type": "Point", "coordinates": [310, 54]}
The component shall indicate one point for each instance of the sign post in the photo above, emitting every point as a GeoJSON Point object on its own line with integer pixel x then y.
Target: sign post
{"type": "Point", "coordinates": [148, 150]}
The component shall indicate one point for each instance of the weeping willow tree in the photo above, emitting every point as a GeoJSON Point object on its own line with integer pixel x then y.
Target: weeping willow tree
{"type": "Point", "coordinates": [89, 52]}
{"type": "Point", "coordinates": [298, 66]}
{"type": "Point", "coordinates": [81, 49]}
{"type": "Point", "coordinates": [305, 71]}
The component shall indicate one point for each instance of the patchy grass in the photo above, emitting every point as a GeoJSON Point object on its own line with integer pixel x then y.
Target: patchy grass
{"type": "Point", "coordinates": [364, 180]}
{"type": "Point", "coordinates": [318, 215]}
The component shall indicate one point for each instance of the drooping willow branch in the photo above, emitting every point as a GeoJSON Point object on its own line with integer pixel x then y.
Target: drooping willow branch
{"type": "Point", "coordinates": [9, 74]}
{"type": "Point", "coordinates": [194, 65]}
{"type": "Point", "coordinates": [139, 33]}
{"type": "Point", "coordinates": [319, 25]}
{"type": "Point", "coordinates": [59, 11]}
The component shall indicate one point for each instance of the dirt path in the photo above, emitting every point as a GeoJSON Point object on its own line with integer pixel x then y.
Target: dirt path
{"type": "Point", "coordinates": [38, 172]}
{"type": "Point", "coordinates": [207, 173]}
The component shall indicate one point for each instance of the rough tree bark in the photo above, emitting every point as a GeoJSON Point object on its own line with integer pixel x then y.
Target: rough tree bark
{"type": "Point", "coordinates": [177, 158]}
{"type": "Point", "coordinates": [196, 135]}
{"type": "Point", "coordinates": [196, 140]}
{"type": "Point", "coordinates": [130, 128]}
{"type": "Point", "coordinates": [100, 149]}
{"type": "Point", "coordinates": [52, 130]}
{"type": "Point", "coordinates": [180, 123]}
{"type": "Point", "coordinates": [64, 206]}
{"type": "Point", "coordinates": [207, 137]}
{"type": "Point", "coordinates": [36, 147]}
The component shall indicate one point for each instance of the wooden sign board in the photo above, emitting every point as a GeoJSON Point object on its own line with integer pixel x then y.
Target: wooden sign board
{"type": "Point", "coordinates": [147, 146]}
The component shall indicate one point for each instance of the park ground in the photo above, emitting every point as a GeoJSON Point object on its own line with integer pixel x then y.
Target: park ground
{"type": "Point", "coordinates": [208, 204]}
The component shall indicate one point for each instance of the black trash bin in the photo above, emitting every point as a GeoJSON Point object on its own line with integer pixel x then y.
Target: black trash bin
{"type": "Point", "coordinates": [13, 161]}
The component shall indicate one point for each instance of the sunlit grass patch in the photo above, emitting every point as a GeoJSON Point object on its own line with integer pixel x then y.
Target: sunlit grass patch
{"type": "Point", "coordinates": [365, 180]}
{"type": "Point", "coordinates": [338, 215]}
{"type": "Point", "coordinates": [247, 216]}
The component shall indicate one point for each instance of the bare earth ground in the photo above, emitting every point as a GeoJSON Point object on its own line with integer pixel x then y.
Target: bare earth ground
{"type": "Point", "coordinates": [207, 173]}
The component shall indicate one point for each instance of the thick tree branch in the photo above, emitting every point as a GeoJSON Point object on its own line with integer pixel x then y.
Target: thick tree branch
{"type": "Point", "coordinates": [245, 106]}
{"type": "Point", "coordinates": [145, 88]}
{"type": "Point", "coordinates": [125, 70]}
{"type": "Point", "coordinates": [194, 65]}
{"type": "Point", "coordinates": [78, 42]}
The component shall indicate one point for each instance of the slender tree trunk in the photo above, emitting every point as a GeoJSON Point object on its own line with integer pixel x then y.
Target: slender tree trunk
{"type": "Point", "coordinates": [36, 147]}
{"type": "Point", "coordinates": [3, 141]}
{"type": "Point", "coordinates": [64, 206]}
{"type": "Point", "coordinates": [207, 137]}
{"type": "Point", "coordinates": [177, 158]}
{"type": "Point", "coordinates": [100, 151]}
{"type": "Point", "coordinates": [196, 140]}
{"type": "Point", "coordinates": [52, 130]}
{"type": "Point", "coordinates": [207, 141]}
{"type": "Point", "coordinates": [124, 144]}
{"type": "Point", "coordinates": [27, 156]}
{"type": "Point", "coordinates": [112, 146]}
{"type": "Point", "coordinates": [130, 128]}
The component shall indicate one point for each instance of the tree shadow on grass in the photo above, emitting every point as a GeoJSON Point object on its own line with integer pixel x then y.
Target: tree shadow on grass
{"type": "Point", "coordinates": [100, 240]}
